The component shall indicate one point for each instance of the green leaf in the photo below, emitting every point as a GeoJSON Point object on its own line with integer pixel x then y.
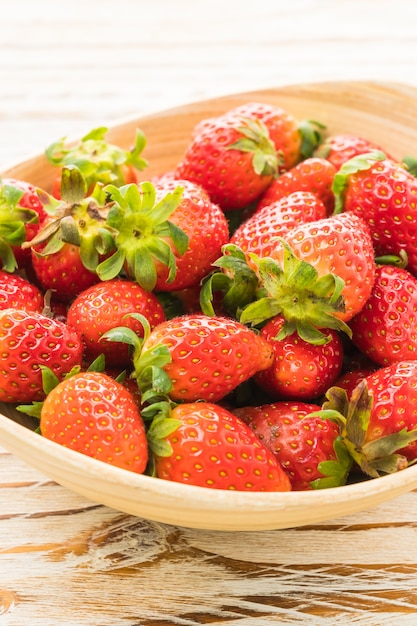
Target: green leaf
{"type": "Point", "coordinates": [335, 473]}
{"type": "Point", "coordinates": [49, 379]}
{"type": "Point", "coordinates": [112, 266]}
{"type": "Point", "coordinates": [73, 184]}
{"type": "Point", "coordinates": [356, 164]}
{"type": "Point", "coordinates": [311, 136]}
{"type": "Point", "coordinates": [8, 259]}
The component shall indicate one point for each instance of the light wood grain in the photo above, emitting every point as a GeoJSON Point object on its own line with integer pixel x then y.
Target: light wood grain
{"type": "Point", "coordinates": [66, 561]}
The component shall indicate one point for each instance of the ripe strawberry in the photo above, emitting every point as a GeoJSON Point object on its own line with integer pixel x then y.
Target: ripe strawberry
{"type": "Point", "coordinates": [16, 292]}
{"type": "Point", "coordinates": [106, 305]}
{"type": "Point", "coordinates": [386, 328]}
{"type": "Point", "coordinates": [98, 160]}
{"type": "Point", "coordinates": [93, 414]}
{"type": "Point", "coordinates": [259, 232]}
{"type": "Point", "coordinates": [382, 193]}
{"type": "Point", "coordinates": [211, 447]}
{"type": "Point", "coordinates": [319, 276]}
{"type": "Point", "coordinates": [380, 420]}
{"type": "Point", "coordinates": [62, 271]}
{"type": "Point", "coordinates": [300, 370]}
{"type": "Point", "coordinates": [283, 128]}
{"type": "Point", "coordinates": [337, 149]}
{"type": "Point", "coordinates": [204, 357]}
{"type": "Point", "coordinates": [21, 212]}
{"type": "Point", "coordinates": [232, 157]}
{"type": "Point", "coordinates": [72, 240]}
{"type": "Point", "coordinates": [314, 175]}
{"type": "Point", "coordinates": [393, 391]}
{"type": "Point", "coordinates": [305, 445]}
{"type": "Point", "coordinates": [167, 234]}
{"type": "Point", "coordinates": [29, 340]}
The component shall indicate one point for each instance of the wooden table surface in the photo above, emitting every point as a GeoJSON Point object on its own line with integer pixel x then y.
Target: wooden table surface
{"type": "Point", "coordinates": [66, 68]}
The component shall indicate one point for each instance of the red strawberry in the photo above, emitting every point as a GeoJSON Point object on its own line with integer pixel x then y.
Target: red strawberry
{"type": "Point", "coordinates": [300, 370]}
{"type": "Point", "coordinates": [386, 328]}
{"type": "Point", "coordinates": [305, 445]}
{"type": "Point", "coordinates": [283, 128]}
{"type": "Point", "coordinates": [168, 234]}
{"type": "Point", "coordinates": [16, 292]}
{"type": "Point", "coordinates": [382, 193]}
{"type": "Point", "coordinates": [232, 157]}
{"type": "Point", "coordinates": [29, 340]}
{"type": "Point", "coordinates": [312, 175]}
{"type": "Point", "coordinates": [210, 447]}
{"type": "Point", "coordinates": [109, 304]}
{"type": "Point", "coordinates": [259, 232]}
{"type": "Point", "coordinates": [62, 271]}
{"type": "Point", "coordinates": [380, 421]}
{"type": "Point", "coordinates": [204, 357]}
{"type": "Point", "coordinates": [394, 403]}
{"type": "Point", "coordinates": [21, 212]}
{"type": "Point", "coordinates": [337, 149]}
{"type": "Point", "coordinates": [72, 240]}
{"type": "Point", "coordinates": [340, 245]}
{"type": "Point", "coordinates": [93, 414]}
{"type": "Point", "coordinates": [318, 276]}
{"type": "Point", "coordinates": [98, 160]}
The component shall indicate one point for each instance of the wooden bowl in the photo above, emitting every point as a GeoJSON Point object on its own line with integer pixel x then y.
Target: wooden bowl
{"type": "Point", "coordinates": [385, 113]}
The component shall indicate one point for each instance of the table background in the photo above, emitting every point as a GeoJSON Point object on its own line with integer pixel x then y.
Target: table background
{"type": "Point", "coordinates": [66, 68]}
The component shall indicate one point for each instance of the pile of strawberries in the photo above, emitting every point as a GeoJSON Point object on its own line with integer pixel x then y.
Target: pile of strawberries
{"type": "Point", "coordinates": [247, 321]}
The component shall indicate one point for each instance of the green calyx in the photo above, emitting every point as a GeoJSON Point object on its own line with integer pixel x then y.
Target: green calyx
{"type": "Point", "coordinates": [99, 161]}
{"type": "Point", "coordinates": [377, 457]}
{"type": "Point", "coordinates": [335, 472]}
{"type": "Point", "coordinates": [235, 280]}
{"type": "Point", "coordinates": [307, 302]}
{"type": "Point", "coordinates": [153, 382]}
{"type": "Point", "coordinates": [50, 381]}
{"type": "Point", "coordinates": [76, 220]}
{"type": "Point", "coordinates": [311, 133]}
{"type": "Point", "coordinates": [356, 164]}
{"type": "Point", "coordinates": [145, 237]}
{"type": "Point", "coordinates": [13, 219]}
{"type": "Point", "coordinates": [255, 139]}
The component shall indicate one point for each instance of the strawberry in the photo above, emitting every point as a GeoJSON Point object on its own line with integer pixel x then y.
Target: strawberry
{"type": "Point", "coordinates": [306, 446]}
{"type": "Point", "coordinates": [93, 414]}
{"type": "Point", "coordinates": [259, 232]}
{"type": "Point", "coordinates": [73, 239]}
{"type": "Point", "coordinates": [314, 175]}
{"type": "Point", "coordinates": [98, 160]}
{"type": "Point", "coordinates": [232, 157]}
{"type": "Point", "coordinates": [167, 234]}
{"type": "Point", "coordinates": [319, 275]}
{"type": "Point", "coordinates": [106, 305]}
{"type": "Point", "coordinates": [285, 131]}
{"type": "Point", "coordinates": [208, 446]}
{"type": "Point", "coordinates": [382, 193]}
{"type": "Point", "coordinates": [300, 370]}
{"type": "Point", "coordinates": [29, 340]}
{"type": "Point", "coordinates": [21, 212]}
{"type": "Point", "coordinates": [16, 292]}
{"type": "Point", "coordinates": [62, 271]}
{"type": "Point", "coordinates": [204, 357]}
{"type": "Point", "coordinates": [379, 422]}
{"type": "Point", "coordinates": [337, 149]}
{"type": "Point", "coordinates": [386, 328]}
